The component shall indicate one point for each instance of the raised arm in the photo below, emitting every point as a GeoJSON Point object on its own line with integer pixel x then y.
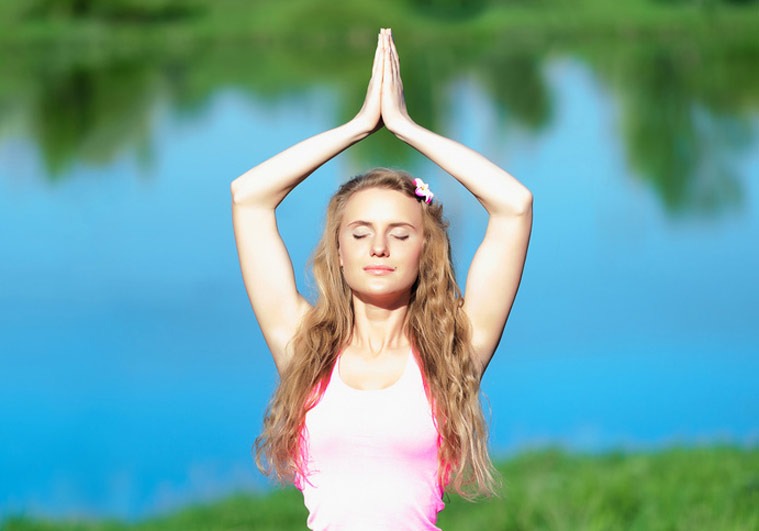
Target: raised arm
{"type": "Point", "coordinates": [496, 269]}
{"type": "Point", "coordinates": [265, 263]}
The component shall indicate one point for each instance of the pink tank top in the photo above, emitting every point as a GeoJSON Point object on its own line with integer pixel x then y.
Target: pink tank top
{"type": "Point", "coordinates": [372, 457]}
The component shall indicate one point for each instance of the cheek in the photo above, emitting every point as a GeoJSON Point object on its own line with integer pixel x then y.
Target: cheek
{"type": "Point", "coordinates": [418, 261]}
{"type": "Point", "coordinates": [343, 250]}
{"type": "Point", "coordinates": [414, 258]}
{"type": "Point", "coordinates": [349, 252]}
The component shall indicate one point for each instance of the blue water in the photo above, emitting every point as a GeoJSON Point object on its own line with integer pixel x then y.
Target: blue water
{"type": "Point", "coordinates": [134, 377]}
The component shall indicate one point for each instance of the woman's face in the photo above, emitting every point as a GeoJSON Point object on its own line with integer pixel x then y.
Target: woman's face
{"type": "Point", "coordinates": [380, 242]}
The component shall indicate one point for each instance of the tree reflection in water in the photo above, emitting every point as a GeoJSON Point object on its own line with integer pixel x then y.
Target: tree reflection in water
{"type": "Point", "coordinates": [93, 114]}
{"type": "Point", "coordinates": [681, 127]}
{"type": "Point", "coordinates": [685, 110]}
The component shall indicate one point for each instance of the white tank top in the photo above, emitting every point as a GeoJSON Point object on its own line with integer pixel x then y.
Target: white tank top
{"type": "Point", "coordinates": [371, 457]}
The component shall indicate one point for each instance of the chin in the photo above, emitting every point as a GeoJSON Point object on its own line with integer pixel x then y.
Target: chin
{"type": "Point", "coordinates": [382, 294]}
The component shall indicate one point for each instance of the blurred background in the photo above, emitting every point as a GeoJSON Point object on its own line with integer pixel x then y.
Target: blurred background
{"type": "Point", "coordinates": [133, 376]}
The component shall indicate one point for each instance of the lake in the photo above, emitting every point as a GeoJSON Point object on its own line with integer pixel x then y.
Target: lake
{"type": "Point", "coordinates": [134, 377]}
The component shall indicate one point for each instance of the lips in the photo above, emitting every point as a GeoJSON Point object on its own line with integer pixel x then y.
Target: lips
{"type": "Point", "coordinates": [379, 269]}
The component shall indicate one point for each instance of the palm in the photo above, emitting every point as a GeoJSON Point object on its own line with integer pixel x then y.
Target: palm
{"type": "Point", "coordinates": [370, 114]}
{"type": "Point", "coordinates": [394, 113]}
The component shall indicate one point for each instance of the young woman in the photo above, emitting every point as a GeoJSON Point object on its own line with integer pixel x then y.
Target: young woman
{"type": "Point", "coordinates": [377, 410]}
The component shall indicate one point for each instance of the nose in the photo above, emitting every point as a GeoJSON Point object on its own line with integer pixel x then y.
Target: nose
{"type": "Point", "coordinates": [379, 246]}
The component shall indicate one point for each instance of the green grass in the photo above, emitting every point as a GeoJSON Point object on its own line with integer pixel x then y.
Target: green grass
{"type": "Point", "coordinates": [328, 24]}
{"type": "Point", "coordinates": [714, 489]}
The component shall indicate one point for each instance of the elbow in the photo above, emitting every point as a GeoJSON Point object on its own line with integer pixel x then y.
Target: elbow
{"type": "Point", "coordinates": [518, 204]}
{"type": "Point", "coordinates": [240, 196]}
{"type": "Point", "coordinates": [250, 193]}
{"type": "Point", "coordinates": [507, 198]}
{"type": "Point", "coordinates": [234, 190]}
{"type": "Point", "coordinates": [524, 203]}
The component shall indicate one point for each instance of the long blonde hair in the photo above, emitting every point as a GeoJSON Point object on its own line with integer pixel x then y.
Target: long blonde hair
{"type": "Point", "coordinates": [437, 327]}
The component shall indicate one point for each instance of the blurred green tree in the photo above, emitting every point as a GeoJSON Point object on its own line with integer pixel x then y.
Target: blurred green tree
{"type": "Point", "coordinates": [133, 10]}
{"type": "Point", "coordinates": [452, 8]}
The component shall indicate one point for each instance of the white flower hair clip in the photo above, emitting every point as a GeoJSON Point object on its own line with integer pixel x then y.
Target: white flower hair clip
{"type": "Point", "coordinates": [423, 190]}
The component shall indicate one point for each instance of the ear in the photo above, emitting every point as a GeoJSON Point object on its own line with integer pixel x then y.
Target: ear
{"type": "Point", "coordinates": [340, 255]}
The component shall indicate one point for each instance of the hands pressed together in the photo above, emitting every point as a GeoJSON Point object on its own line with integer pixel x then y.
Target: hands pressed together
{"type": "Point", "coordinates": [384, 103]}
{"type": "Point", "coordinates": [496, 268]}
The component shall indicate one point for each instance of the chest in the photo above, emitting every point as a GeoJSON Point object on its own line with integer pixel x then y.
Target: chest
{"type": "Point", "coordinates": [372, 374]}
{"type": "Point", "coordinates": [395, 422]}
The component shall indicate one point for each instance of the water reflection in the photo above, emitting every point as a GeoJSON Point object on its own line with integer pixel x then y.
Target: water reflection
{"type": "Point", "coordinates": [683, 110]}
{"type": "Point", "coordinates": [93, 113]}
{"type": "Point", "coordinates": [682, 130]}
{"type": "Point", "coordinates": [516, 84]}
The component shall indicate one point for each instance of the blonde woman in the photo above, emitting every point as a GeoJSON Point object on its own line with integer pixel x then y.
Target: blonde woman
{"type": "Point", "coordinates": [377, 411]}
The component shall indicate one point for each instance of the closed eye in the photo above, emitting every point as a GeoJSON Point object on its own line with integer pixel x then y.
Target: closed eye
{"type": "Point", "coordinates": [359, 236]}
{"type": "Point", "coordinates": [401, 237]}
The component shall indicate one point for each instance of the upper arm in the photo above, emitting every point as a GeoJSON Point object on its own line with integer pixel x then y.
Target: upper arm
{"type": "Point", "coordinates": [269, 279]}
{"type": "Point", "coordinates": [493, 280]}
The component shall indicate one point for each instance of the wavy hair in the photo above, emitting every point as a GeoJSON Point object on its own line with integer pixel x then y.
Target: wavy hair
{"type": "Point", "coordinates": [437, 327]}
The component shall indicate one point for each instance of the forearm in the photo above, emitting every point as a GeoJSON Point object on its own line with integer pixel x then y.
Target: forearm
{"type": "Point", "coordinates": [267, 184]}
{"type": "Point", "coordinates": [497, 190]}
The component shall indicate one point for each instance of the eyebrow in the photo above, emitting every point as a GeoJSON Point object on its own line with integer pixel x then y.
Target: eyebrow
{"type": "Point", "coordinates": [361, 223]}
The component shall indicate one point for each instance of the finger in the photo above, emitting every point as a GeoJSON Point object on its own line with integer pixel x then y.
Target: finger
{"type": "Point", "coordinates": [392, 53]}
{"type": "Point", "coordinates": [388, 66]}
{"type": "Point", "coordinates": [378, 57]}
{"type": "Point", "coordinates": [378, 68]}
{"type": "Point", "coordinates": [381, 54]}
{"type": "Point", "coordinates": [391, 69]}
{"type": "Point", "coordinates": [392, 57]}
{"type": "Point", "coordinates": [381, 65]}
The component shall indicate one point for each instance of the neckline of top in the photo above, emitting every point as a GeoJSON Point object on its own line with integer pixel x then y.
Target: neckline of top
{"type": "Point", "coordinates": [381, 389]}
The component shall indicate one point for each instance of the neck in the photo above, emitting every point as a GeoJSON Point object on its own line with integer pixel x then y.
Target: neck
{"type": "Point", "coordinates": [379, 326]}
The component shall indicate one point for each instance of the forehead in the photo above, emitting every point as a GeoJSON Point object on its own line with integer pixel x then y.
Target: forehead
{"type": "Point", "coordinates": [379, 205]}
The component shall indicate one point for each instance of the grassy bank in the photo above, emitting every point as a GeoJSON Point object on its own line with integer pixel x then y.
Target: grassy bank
{"type": "Point", "coordinates": [325, 24]}
{"type": "Point", "coordinates": [711, 489]}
